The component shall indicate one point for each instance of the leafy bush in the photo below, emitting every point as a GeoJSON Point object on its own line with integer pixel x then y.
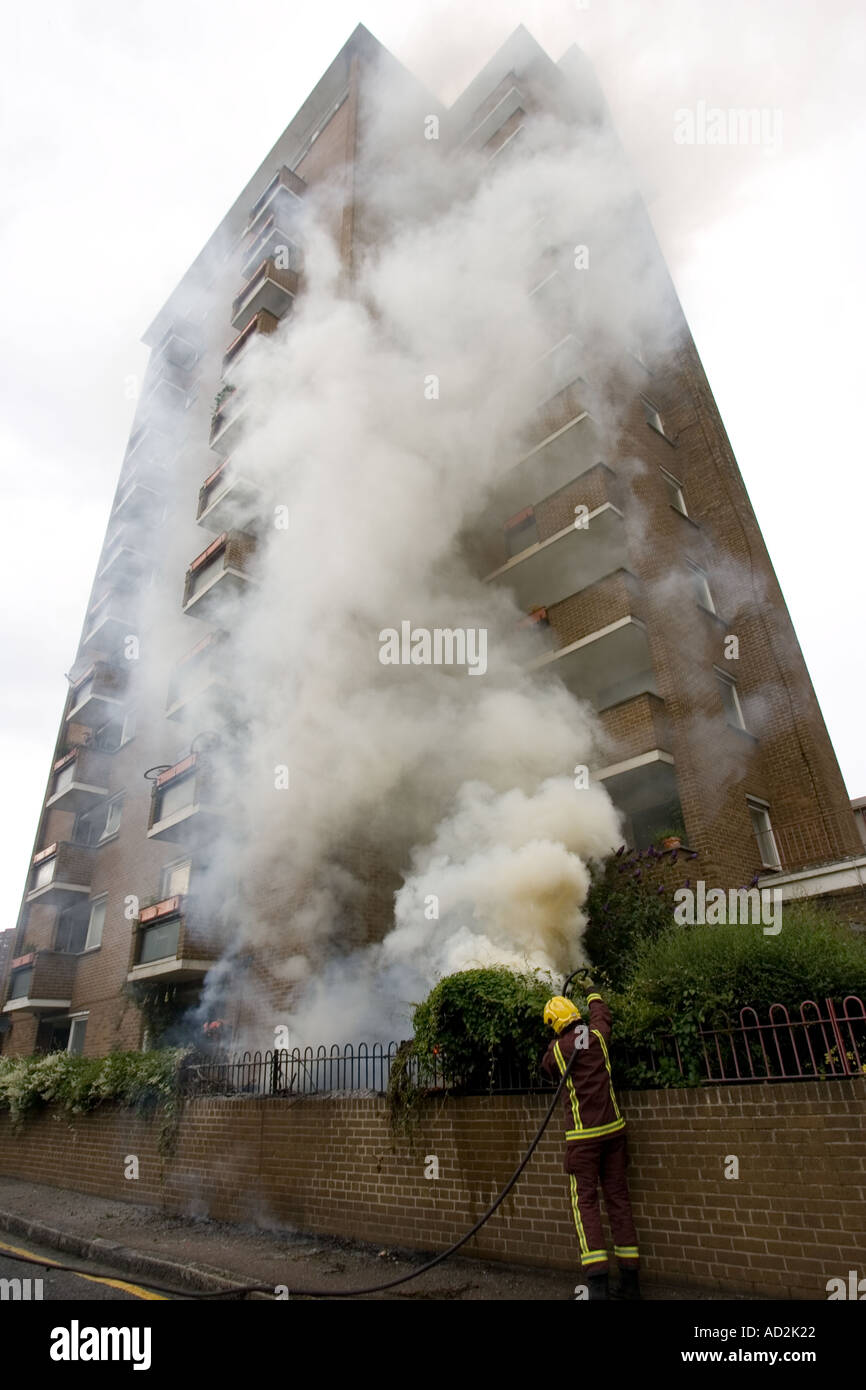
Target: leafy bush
{"type": "Point", "coordinates": [719, 969]}
{"type": "Point", "coordinates": [477, 1018]}
{"type": "Point", "coordinates": [630, 901]}
{"type": "Point", "coordinates": [76, 1084]}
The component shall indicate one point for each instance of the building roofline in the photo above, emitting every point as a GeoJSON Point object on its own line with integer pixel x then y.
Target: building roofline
{"type": "Point", "coordinates": [288, 150]}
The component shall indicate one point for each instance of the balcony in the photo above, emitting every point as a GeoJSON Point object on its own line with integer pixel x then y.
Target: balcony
{"type": "Point", "coordinates": [275, 242]}
{"type": "Point", "coordinates": [168, 944]}
{"type": "Point", "coordinates": [644, 789]}
{"type": "Point", "coordinates": [180, 346]}
{"type": "Point", "coordinates": [558, 459]}
{"type": "Point", "coordinates": [228, 501]}
{"type": "Point", "coordinates": [269, 288]}
{"type": "Point", "coordinates": [559, 367]}
{"type": "Point", "coordinates": [167, 389]}
{"type": "Point", "coordinates": [197, 682]}
{"type": "Point", "coordinates": [138, 501]}
{"type": "Point", "coordinates": [97, 695]}
{"type": "Point", "coordinates": [219, 572]}
{"type": "Point", "coordinates": [227, 421]}
{"type": "Point", "coordinates": [122, 560]}
{"type": "Point", "coordinates": [41, 983]}
{"type": "Point", "coordinates": [607, 666]}
{"type": "Point", "coordinates": [147, 453]}
{"type": "Point", "coordinates": [549, 571]}
{"type": "Point", "coordinates": [183, 804]}
{"type": "Point", "coordinates": [507, 106]}
{"type": "Point", "coordinates": [60, 875]}
{"type": "Point", "coordinates": [283, 195]}
{"type": "Point", "coordinates": [106, 628]}
{"type": "Point", "coordinates": [264, 322]}
{"type": "Point", "coordinates": [79, 780]}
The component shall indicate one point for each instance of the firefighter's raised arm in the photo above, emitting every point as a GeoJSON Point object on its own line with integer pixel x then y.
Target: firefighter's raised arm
{"type": "Point", "coordinates": [600, 1016]}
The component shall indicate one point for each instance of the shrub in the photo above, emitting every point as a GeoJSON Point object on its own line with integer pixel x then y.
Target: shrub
{"type": "Point", "coordinates": [141, 1080]}
{"type": "Point", "coordinates": [630, 902]}
{"type": "Point", "coordinates": [477, 1018]}
{"type": "Point", "coordinates": [719, 969]}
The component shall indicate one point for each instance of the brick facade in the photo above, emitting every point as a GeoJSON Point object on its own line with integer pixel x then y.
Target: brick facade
{"type": "Point", "coordinates": [794, 1218]}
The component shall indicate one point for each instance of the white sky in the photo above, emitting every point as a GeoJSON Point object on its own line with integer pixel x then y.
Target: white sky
{"type": "Point", "coordinates": [127, 131]}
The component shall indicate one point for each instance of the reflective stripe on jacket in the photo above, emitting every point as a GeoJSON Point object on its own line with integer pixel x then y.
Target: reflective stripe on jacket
{"type": "Point", "coordinates": [590, 1103]}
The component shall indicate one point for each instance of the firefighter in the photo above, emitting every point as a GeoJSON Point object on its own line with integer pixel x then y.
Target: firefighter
{"type": "Point", "coordinates": [595, 1150]}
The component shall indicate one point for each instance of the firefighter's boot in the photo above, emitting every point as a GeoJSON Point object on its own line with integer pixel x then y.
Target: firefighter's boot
{"type": "Point", "coordinates": [629, 1284]}
{"type": "Point", "coordinates": [598, 1286]}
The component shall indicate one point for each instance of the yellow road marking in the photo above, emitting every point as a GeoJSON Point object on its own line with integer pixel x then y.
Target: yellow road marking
{"type": "Point", "coordinates": [135, 1289]}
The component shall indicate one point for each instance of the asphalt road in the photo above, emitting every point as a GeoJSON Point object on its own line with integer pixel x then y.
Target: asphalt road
{"type": "Point", "coordinates": [59, 1286]}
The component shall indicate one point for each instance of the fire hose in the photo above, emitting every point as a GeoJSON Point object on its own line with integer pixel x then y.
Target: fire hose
{"type": "Point", "coordinates": [240, 1290]}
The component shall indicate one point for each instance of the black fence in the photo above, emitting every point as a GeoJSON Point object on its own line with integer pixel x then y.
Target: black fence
{"type": "Point", "coordinates": [823, 1041]}
{"type": "Point", "coordinates": [358, 1069]}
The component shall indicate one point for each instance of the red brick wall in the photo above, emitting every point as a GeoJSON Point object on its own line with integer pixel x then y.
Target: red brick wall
{"type": "Point", "coordinates": [794, 1218]}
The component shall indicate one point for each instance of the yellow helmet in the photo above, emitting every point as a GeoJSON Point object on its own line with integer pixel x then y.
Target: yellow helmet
{"type": "Point", "coordinates": [559, 1012]}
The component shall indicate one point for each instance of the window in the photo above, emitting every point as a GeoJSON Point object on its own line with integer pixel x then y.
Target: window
{"type": "Point", "coordinates": [731, 701]}
{"type": "Point", "coordinates": [108, 736]}
{"type": "Point", "coordinates": [127, 730]}
{"type": "Point", "coordinates": [96, 923]}
{"type": "Point", "coordinates": [175, 878]}
{"type": "Point", "coordinates": [702, 588]}
{"type": "Point", "coordinates": [159, 942]}
{"type": "Point", "coordinates": [71, 932]}
{"type": "Point", "coordinates": [44, 872]}
{"type": "Point", "coordinates": [77, 1030]}
{"type": "Point", "coordinates": [174, 797]}
{"type": "Point", "coordinates": [113, 813]}
{"type": "Point", "coordinates": [760, 815]}
{"type": "Point", "coordinates": [63, 778]}
{"type": "Point", "coordinates": [19, 983]}
{"type": "Point", "coordinates": [675, 492]}
{"type": "Point", "coordinates": [653, 417]}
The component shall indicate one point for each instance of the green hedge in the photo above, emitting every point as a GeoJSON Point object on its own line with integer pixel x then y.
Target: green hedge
{"type": "Point", "coordinates": [138, 1079]}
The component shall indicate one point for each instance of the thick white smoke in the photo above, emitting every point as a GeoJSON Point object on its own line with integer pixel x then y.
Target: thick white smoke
{"type": "Point", "coordinates": [383, 416]}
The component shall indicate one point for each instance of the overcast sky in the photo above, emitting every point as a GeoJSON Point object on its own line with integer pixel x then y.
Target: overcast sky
{"type": "Point", "coordinates": [128, 130]}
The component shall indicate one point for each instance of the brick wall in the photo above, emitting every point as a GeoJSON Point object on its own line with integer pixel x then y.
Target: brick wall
{"type": "Point", "coordinates": [794, 1218]}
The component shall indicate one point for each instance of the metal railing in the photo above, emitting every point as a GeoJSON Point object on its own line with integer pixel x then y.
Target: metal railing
{"type": "Point", "coordinates": [824, 1042]}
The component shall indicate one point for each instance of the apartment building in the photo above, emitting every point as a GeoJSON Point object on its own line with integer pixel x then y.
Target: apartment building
{"type": "Point", "coordinates": [711, 726]}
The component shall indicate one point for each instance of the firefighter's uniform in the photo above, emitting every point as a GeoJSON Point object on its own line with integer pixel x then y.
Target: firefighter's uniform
{"type": "Point", "coordinates": [596, 1150]}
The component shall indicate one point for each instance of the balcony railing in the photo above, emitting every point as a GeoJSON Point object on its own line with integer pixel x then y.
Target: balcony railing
{"type": "Point", "coordinates": [97, 694]}
{"type": "Point", "coordinates": [227, 421]}
{"type": "Point", "coordinates": [169, 944]}
{"type": "Point", "coordinates": [274, 242]}
{"type": "Point", "coordinates": [268, 288]}
{"type": "Point", "coordinates": [284, 192]}
{"type": "Point", "coordinates": [41, 983]}
{"type": "Point", "coordinates": [817, 840]}
{"type": "Point", "coordinates": [167, 389]}
{"type": "Point", "coordinates": [180, 346]}
{"type": "Point", "coordinates": [123, 560]}
{"type": "Point", "coordinates": [228, 501]}
{"type": "Point", "coordinates": [137, 501]}
{"type": "Point", "coordinates": [220, 571]}
{"type": "Point", "coordinates": [61, 874]}
{"type": "Point", "coordinates": [147, 452]}
{"type": "Point", "coordinates": [183, 801]}
{"type": "Point", "coordinates": [106, 628]}
{"type": "Point", "coordinates": [264, 322]}
{"type": "Point", "coordinates": [551, 570]}
{"type": "Point", "coordinates": [79, 780]}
